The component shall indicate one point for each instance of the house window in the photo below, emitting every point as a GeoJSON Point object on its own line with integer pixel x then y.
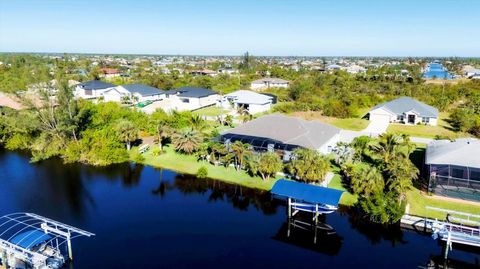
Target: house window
{"type": "Point", "coordinates": [88, 92]}
{"type": "Point", "coordinates": [425, 119]}
{"type": "Point", "coordinates": [185, 100]}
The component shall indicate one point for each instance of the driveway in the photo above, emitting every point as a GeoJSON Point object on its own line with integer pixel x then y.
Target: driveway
{"type": "Point", "coordinates": [377, 127]}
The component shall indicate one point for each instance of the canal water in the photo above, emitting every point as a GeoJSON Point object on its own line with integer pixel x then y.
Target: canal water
{"type": "Point", "coordinates": [150, 218]}
{"type": "Point", "coordinates": [436, 70]}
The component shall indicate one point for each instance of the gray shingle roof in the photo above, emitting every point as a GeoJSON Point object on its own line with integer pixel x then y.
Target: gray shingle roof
{"type": "Point", "coordinates": [194, 92]}
{"type": "Point", "coordinates": [96, 85]}
{"type": "Point", "coordinates": [404, 104]}
{"type": "Point", "coordinates": [288, 130]}
{"type": "Point", "coordinates": [461, 152]}
{"type": "Point", "coordinates": [143, 90]}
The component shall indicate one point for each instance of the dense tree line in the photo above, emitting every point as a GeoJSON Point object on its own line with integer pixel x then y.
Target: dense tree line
{"type": "Point", "coordinates": [343, 95]}
{"type": "Point", "coordinates": [466, 117]}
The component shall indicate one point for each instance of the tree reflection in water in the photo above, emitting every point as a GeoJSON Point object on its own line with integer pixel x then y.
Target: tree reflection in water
{"type": "Point", "coordinates": [240, 197]}
{"type": "Point", "coordinates": [375, 233]}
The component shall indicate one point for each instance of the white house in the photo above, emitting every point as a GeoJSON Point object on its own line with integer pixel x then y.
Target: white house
{"type": "Point", "coordinates": [405, 110]}
{"type": "Point", "coordinates": [355, 69]}
{"type": "Point", "coordinates": [227, 70]}
{"type": "Point", "coordinates": [265, 83]}
{"type": "Point", "coordinates": [470, 71]}
{"type": "Point", "coordinates": [189, 98]}
{"type": "Point", "coordinates": [253, 102]}
{"type": "Point", "coordinates": [139, 92]}
{"type": "Point", "coordinates": [92, 89]}
{"type": "Point", "coordinates": [334, 67]}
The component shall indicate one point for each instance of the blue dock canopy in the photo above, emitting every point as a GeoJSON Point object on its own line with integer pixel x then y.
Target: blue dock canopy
{"type": "Point", "coordinates": [307, 193]}
{"type": "Point", "coordinates": [30, 238]}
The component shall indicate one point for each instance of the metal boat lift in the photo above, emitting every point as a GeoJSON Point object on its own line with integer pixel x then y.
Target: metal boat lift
{"type": "Point", "coordinates": [308, 198]}
{"type": "Point", "coordinates": [459, 228]}
{"type": "Point", "coordinates": [36, 241]}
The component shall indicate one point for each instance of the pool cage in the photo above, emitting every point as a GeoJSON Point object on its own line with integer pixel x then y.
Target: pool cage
{"type": "Point", "coordinates": [260, 144]}
{"type": "Point", "coordinates": [28, 240]}
{"type": "Point", "coordinates": [454, 181]}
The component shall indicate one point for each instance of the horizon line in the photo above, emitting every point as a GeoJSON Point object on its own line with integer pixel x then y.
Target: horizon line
{"type": "Point", "coordinates": [238, 55]}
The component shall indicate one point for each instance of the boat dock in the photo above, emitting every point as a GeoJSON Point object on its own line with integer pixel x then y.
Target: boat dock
{"type": "Point", "coordinates": [458, 228]}
{"type": "Point", "coordinates": [28, 240]}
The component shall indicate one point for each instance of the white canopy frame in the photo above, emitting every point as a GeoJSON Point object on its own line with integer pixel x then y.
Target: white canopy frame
{"type": "Point", "coordinates": [34, 227]}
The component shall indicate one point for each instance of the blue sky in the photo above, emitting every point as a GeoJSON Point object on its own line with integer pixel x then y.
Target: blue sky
{"type": "Point", "coordinates": [262, 27]}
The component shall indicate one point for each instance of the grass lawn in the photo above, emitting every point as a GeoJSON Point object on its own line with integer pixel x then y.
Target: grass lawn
{"type": "Point", "coordinates": [443, 129]}
{"type": "Point", "coordinates": [188, 164]}
{"type": "Point", "coordinates": [354, 124]}
{"type": "Point", "coordinates": [418, 201]}
{"type": "Point", "coordinates": [210, 111]}
{"type": "Point", "coordinates": [347, 199]}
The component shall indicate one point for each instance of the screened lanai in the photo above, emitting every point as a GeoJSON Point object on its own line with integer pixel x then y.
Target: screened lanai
{"type": "Point", "coordinates": [454, 168]}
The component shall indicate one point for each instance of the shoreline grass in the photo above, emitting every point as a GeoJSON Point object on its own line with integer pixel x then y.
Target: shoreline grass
{"type": "Point", "coordinates": [188, 164]}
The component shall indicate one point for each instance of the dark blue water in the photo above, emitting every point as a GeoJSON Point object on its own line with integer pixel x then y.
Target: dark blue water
{"type": "Point", "coordinates": [436, 70]}
{"type": "Point", "coordinates": [149, 218]}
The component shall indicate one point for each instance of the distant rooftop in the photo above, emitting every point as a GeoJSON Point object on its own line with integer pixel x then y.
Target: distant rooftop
{"type": "Point", "coordinates": [194, 92]}
{"type": "Point", "coordinates": [143, 90]}
{"type": "Point", "coordinates": [96, 85]}
{"type": "Point", "coordinates": [405, 104]}
{"type": "Point", "coordinates": [249, 97]}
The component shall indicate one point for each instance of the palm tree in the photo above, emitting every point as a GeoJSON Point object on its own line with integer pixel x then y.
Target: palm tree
{"type": "Point", "coordinates": [197, 123]}
{"type": "Point", "coordinates": [401, 173]}
{"type": "Point", "coordinates": [360, 145]}
{"type": "Point", "coordinates": [309, 165]}
{"type": "Point", "coordinates": [187, 141]}
{"type": "Point", "coordinates": [367, 180]}
{"type": "Point", "coordinates": [228, 120]}
{"type": "Point", "coordinates": [386, 147]}
{"type": "Point", "coordinates": [240, 151]}
{"type": "Point", "coordinates": [218, 150]}
{"type": "Point", "coordinates": [244, 115]}
{"type": "Point", "coordinates": [127, 132]}
{"type": "Point", "coordinates": [265, 164]}
{"type": "Point", "coordinates": [163, 132]}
